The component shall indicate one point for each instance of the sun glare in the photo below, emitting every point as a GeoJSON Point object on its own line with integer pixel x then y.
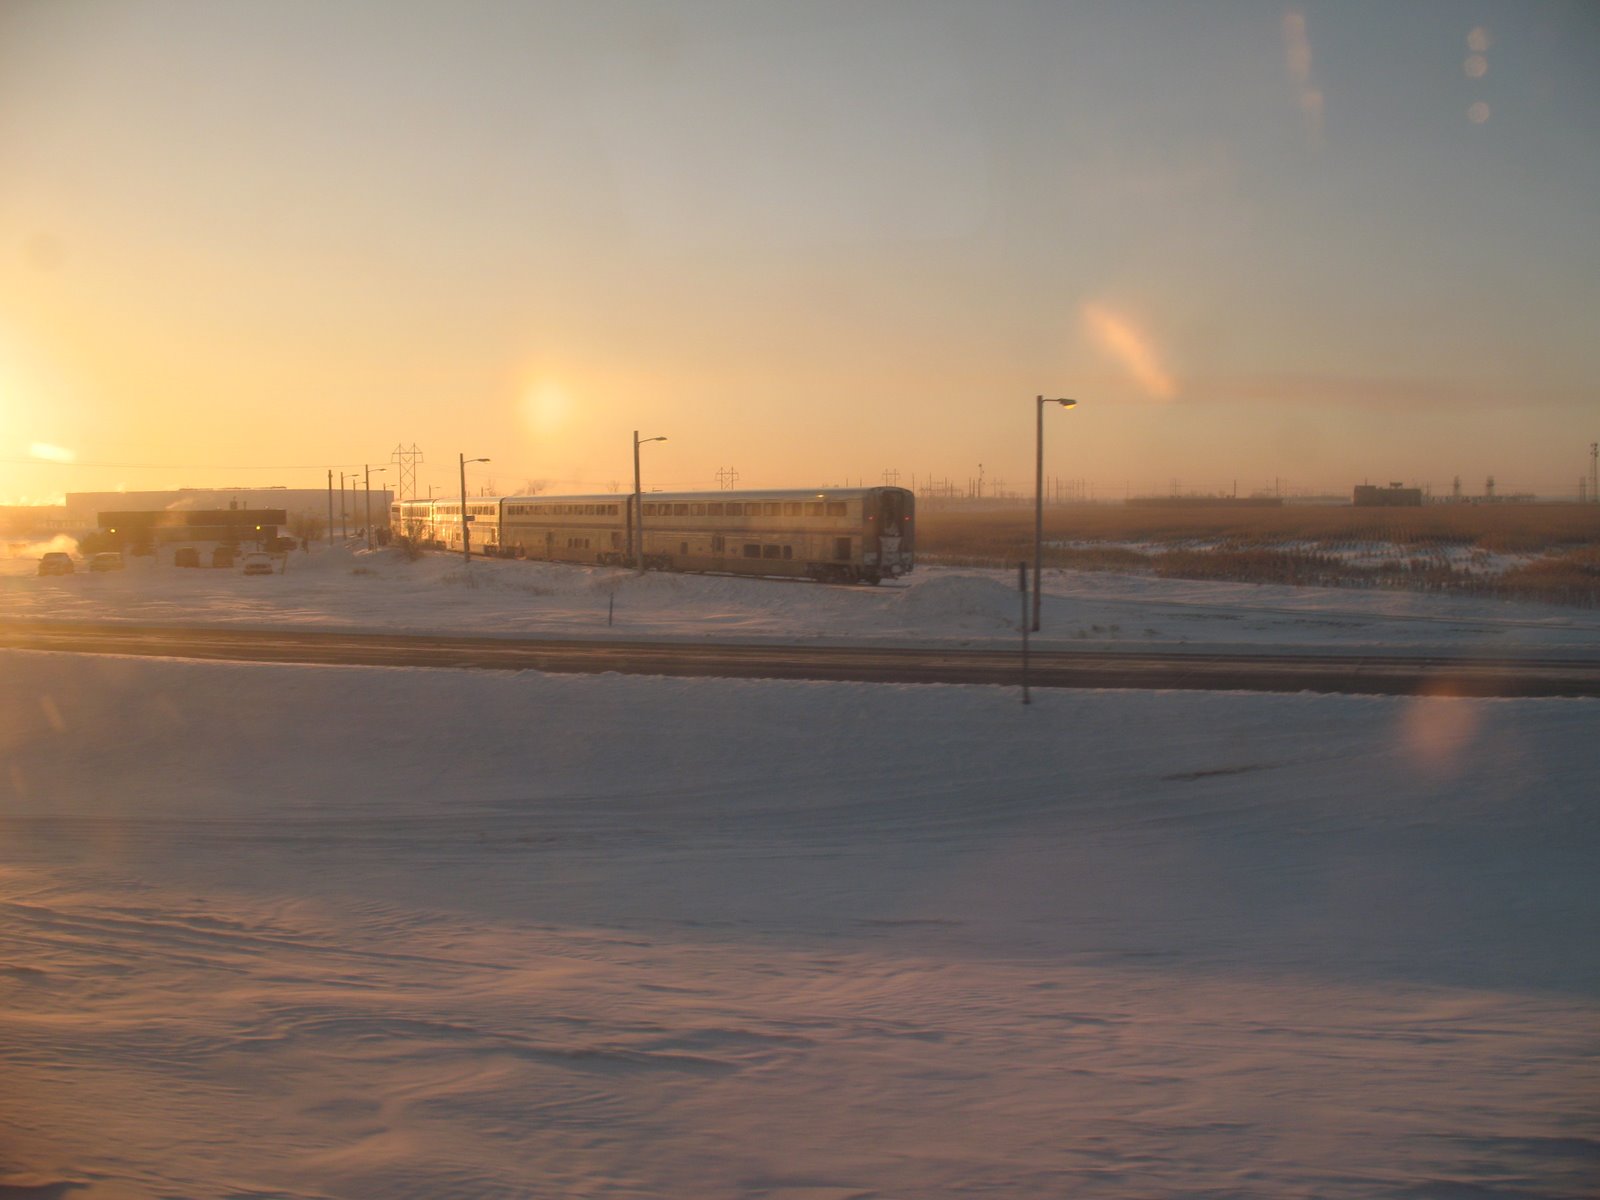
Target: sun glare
{"type": "Point", "coordinates": [1120, 339]}
{"type": "Point", "coordinates": [545, 407]}
{"type": "Point", "coordinates": [46, 452]}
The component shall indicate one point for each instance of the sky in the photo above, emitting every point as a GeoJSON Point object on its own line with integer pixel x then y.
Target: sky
{"type": "Point", "coordinates": [1262, 245]}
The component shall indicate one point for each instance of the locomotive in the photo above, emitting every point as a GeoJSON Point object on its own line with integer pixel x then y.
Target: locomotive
{"type": "Point", "coordinates": [839, 535]}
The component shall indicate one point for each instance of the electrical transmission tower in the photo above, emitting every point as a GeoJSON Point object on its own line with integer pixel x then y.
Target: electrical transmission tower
{"type": "Point", "coordinates": [891, 477]}
{"type": "Point", "coordinates": [726, 478]}
{"type": "Point", "coordinates": [407, 461]}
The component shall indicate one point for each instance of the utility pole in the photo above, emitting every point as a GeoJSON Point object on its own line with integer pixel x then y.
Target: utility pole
{"type": "Point", "coordinates": [466, 523]}
{"type": "Point", "coordinates": [638, 503]}
{"type": "Point", "coordinates": [726, 478]}
{"type": "Point", "coordinates": [1594, 472]}
{"type": "Point", "coordinates": [368, 469]}
{"type": "Point", "coordinates": [344, 529]}
{"type": "Point", "coordinates": [890, 478]}
{"type": "Point", "coordinates": [330, 506]}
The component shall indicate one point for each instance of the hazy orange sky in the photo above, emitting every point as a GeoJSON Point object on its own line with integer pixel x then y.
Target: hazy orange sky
{"type": "Point", "coordinates": [241, 243]}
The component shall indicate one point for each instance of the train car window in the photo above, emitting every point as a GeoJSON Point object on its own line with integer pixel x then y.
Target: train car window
{"type": "Point", "coordinates": [836, 508]}
{"type": "Point", "coordinates": [771, 508]}
{"type": "Point", "coordinates": [771, 551]}
{"type": "Point", "coordinates": [611, 510]}
{"type": "Point", "coordinates": [713, 510]}
{"type": "Point", "coordinates": [814, 508]}
{"type": "Point", "coordinates": [791, 508]}
{"type": "Point", "coordinates": [697, 510]}
{"type": "Point", "coordinates": [841, 549]}
{"type": "Point", "coordinates": [718, 543]}
{"type": "Point", "coordinates": [751, 550]}
{"type": "Point", "coordinates": [649, 510]}
{"type": "Point", "coordinates": [788, 551]}
{"type": "Point", "coordinates": [683, 547]}
{"type": "Point", "coordinates": [680, 510]}
{"type": "Point", "coordinates": [735, 510]}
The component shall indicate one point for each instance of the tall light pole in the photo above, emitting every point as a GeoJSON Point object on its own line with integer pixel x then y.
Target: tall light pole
{"type": "Point", "coordinates": [466, 527]}
{"type": "Point", "coordinates": [343, 528]}
{"type": "Point", "coordinates": [367, 470]}
{"type": "Point", "coordinates": [638, 503]}
{"type": "Point", "coordinates": [1038, 496]}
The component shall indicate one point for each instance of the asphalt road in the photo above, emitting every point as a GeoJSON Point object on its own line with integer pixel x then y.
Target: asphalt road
{"type": "Point", "coordinates": [1370, 675]}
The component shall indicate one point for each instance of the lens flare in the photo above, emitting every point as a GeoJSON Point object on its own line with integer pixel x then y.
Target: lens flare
{"type": "Point", "coordinates": [1120, 339]}
{"type": "Point", "coordinates": [1437, 729]}
{"type": "Point", "coordinates": [49, 453]}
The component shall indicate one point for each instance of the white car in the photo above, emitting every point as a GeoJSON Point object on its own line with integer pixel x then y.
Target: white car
{"type": "Point", "coordinates": [258, 564]}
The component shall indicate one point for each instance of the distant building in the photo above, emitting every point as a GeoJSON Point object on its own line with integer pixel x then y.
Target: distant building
{"type": "Point", "coordinates": [84, 508]}
{"type": "Point", "coordinates": [1204, 502]}
{"type": "Point", "coordinates": [140, 529]}
{"type": "Point", "coordinates": [1393, 496]}
{"type": "Point", "coordinates": [31, 520]}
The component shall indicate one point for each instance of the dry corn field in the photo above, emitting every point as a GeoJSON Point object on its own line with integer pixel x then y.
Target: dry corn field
{"type": "Point", "coordinates": [1547, 552]}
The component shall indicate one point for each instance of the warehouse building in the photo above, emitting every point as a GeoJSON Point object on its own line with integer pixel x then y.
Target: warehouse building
{"type": "Point", "coordinates": [1393, 496]}
{"type": "Point", "coordinates": [83, 509]}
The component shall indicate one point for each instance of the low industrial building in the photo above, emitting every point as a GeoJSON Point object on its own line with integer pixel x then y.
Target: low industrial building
{"type": "Point", "coordinates": [147, 529]}
{"type": "Point", "coordinates": [1394, 496]}
{"type": "Point", "coordinates": [349, 507]}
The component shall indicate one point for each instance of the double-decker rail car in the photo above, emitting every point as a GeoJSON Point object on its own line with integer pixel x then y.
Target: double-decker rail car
{"type": "Point", "coordinates": [833, 534]}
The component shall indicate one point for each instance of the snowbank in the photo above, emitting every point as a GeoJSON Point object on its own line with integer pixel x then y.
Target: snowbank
{"type": "Point", "coordinates": [340, 588]}
{"type": "Point", "coordinates": [341, 932]}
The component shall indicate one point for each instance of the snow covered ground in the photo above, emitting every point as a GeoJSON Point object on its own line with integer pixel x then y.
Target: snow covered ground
{"type": "Point", "coordinates": [340, 932]}
{"type": "Point", "coordinates": [340, 588]}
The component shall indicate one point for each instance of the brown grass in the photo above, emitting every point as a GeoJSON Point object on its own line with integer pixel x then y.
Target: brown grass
{"type": "Point", "coordinates": [1289, 545]}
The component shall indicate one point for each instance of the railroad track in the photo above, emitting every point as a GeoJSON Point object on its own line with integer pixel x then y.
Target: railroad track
{"type": "Point", "coordinates": [1369, 674]}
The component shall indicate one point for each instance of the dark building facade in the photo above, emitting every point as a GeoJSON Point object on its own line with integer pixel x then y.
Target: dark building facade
{"type": "Point", "coordinates": [145, 528]}
{"type": "Point", "coordinates": [1393, 496]}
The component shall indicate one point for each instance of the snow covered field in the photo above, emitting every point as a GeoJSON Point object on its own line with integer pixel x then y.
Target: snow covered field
{"type": "Point", "coordinates": [339, 588]}
{"type": "Point", "coordinates": [342, 932]}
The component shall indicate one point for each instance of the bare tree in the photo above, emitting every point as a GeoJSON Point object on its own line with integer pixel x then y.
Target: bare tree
{"type": "Point", "coordinates": [308, 527]}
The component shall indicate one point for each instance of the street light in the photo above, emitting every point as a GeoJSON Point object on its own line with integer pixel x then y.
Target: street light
{"type": "Point", "coordinates": [1038, 497]}
{"type": "Point", "coordinates": [466, 528]}
{"type": "Point", "coordinates": [368, 479]}
{"type": "Point", "coordinates": [638, 502]}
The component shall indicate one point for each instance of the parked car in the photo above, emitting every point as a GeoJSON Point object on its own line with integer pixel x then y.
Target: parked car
{"type": "Point", "coordinates": [258, 564]}
{"type": "Point", "coordinates": [186, 556]}
{"type": "Point", "coordinates": [107, 560]}
{"type": "Point", "coordinates": [222, 556]}
{"type": "Point", "coordinates": [56, 562]}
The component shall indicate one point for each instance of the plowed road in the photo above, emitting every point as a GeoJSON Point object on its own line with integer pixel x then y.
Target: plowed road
{"type": "Point", "coordinates": [1373, 674]}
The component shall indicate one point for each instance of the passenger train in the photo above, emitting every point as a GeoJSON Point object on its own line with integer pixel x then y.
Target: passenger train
{"type": "Point", "coordinates": [841, 535]}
